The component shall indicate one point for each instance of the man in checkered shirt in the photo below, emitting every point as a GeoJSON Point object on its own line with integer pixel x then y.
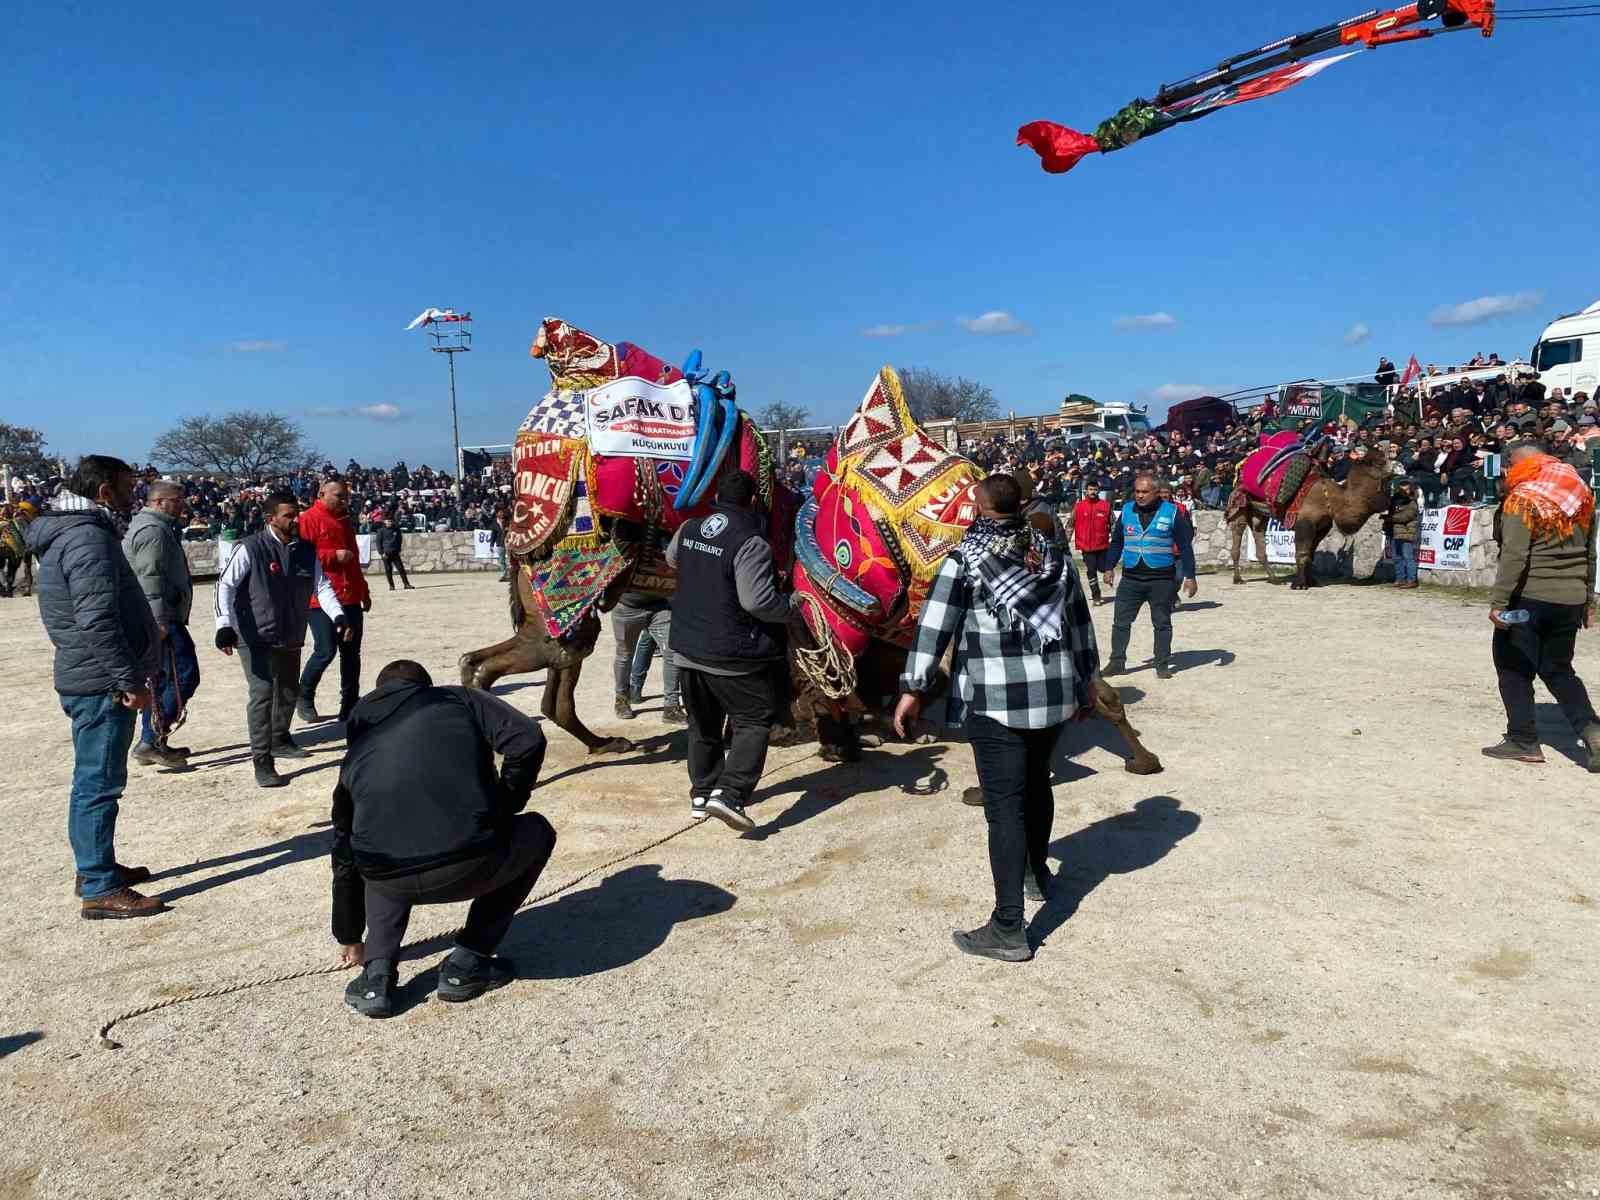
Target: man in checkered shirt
{"type": "Point", "coordinates": [1025, 663]}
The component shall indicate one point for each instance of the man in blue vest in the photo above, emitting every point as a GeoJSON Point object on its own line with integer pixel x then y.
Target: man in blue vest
{"type": "Point", "coordinates": [1143, 539]}
{"type": "Point", "coordinates": [728, 636]}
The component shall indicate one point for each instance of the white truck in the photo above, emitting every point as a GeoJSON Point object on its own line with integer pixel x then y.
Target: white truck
{"type": "Point", "coordinates": [1567, 355]}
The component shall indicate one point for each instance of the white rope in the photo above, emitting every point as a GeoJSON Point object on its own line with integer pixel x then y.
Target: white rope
{"type": "Point", "coordinates": [830, 670]}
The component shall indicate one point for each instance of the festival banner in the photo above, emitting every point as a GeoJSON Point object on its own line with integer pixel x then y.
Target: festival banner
{"type": "Point", "coordinates": [1280, 545]}
{"type": "Point", "coordinates": [483, 547]}
{"type": "Point", "coordinates": [1446, 538]}
{"type": "Point", "coordinates": [633, 418]}
{"type": "Point", "coordinates": [364, 548]}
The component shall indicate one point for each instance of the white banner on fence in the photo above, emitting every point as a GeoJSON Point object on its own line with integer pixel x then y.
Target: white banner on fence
{"type": "Point", "coordinates": [1446, 538]}
{"type": "Point", "coordinates": [1280, 545]}
{"type": "Point", "coordinates": [483, 544]}
{"type": "Point", "coordinates": [364, 548]}
{"type": "Point", "coordinates": [638, 419]}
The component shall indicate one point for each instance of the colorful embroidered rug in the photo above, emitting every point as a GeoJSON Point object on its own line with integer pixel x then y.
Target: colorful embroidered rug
{"type": "Point", "coordinates": [547, 467]}
{"type": "Point", "coordinates": [569, 583]}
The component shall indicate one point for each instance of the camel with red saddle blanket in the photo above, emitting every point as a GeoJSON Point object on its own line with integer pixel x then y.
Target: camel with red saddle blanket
{"type": "Point", "coordinates": [1286, 480]}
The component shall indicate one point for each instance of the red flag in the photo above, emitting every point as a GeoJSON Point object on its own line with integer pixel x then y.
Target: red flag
{"type": "Point", "coordinates": [1413, 369]}
{"type": "Point", "coordinates": [1058, 147]}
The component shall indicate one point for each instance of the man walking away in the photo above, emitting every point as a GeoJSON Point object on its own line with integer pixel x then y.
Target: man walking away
{"type": "Point", "coordinates": [326, 525]}
{"type": "Point", "coordinates": [1547, 565]}
{"type": "Point", "coordinates": [389, 543]}
{"type": "Point", "coordinates": [638, 614]}
{"type": "Point", "coordinates": [263, 606]}
{"type": "Point", "coordinates": [154, 548]}
{"type": "Point", "coordinates": [1024, 665]}
{"type": "Point", "coordinates": [105, 638]}
{"type": "Point", "coordinates": [1143, 540]}
{"type": "Point", "coordinates": [729, 626]}
{"type": "Point", "coordinates": [421, 816]}
{"type": "Point", "coordinates": [1091, 534]}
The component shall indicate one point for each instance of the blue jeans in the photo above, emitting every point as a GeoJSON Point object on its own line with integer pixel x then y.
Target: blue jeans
{"type": "Point", "coordinates": [1405, 562]}
{"type": "Point", "coordinates": [102, 732]}
{"type": "Point", "coordinates": [178, 680]}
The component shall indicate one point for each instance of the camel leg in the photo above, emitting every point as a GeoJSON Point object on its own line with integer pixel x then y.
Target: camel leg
{"type": "Point", "coordinates": [1305, 549]}
{"type": "Point", "coordinates": [472, 663]}
{"type": "Point", "coordinates": [1108, 704]}
{"type": "Point", "coordinates": [1259, 532]}
{"type": "Point", "coordinates": [561, 707]}
{"type": "Point", "coordinates": [1238, 548]}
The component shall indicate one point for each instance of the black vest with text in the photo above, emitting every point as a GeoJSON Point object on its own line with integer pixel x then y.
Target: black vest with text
{"type": "Point", "coordinates": [274, 598]}
{"type": "Point", "coordinates": [709, 625]}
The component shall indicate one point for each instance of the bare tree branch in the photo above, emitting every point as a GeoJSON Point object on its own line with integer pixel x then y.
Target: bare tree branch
{"type": "Point", "coordinates": [242, 445]}
{"type": "Point", "coordinates": [934, 397]}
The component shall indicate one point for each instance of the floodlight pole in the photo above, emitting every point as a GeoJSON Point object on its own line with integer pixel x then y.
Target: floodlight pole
{"type": "Point", "coordinates": [443, 334]}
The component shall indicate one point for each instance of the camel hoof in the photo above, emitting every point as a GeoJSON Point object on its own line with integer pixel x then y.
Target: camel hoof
{"type": "Point", "coordinates": [1147, 764]}
{"type": "Point", "coordinates": [616, 745]}
{"type": "Point", "coordinates": [840, 754]}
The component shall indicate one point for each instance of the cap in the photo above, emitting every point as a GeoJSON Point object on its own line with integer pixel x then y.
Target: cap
{"type": "Point", "coordinates": [1560, 426]}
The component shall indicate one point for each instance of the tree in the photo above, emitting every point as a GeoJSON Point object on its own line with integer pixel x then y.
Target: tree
{"type": "Point", "coordinates": [935, 397]}
{"type": "Point", "coordinates": [783, 417]}
{"type": "Point", "coordinates": [240, 445]}
{"type": "Point", "coordinates": [22, 450]}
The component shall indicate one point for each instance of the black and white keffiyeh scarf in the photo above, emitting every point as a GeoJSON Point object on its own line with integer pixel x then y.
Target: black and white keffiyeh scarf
{"type": "Point", "coordinates": [1020, 576]}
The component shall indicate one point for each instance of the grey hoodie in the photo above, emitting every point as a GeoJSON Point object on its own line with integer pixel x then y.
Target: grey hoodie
{"type": "Point", "coordinates": [91, 604]}
{"type": "Point", "coordinates": [155, 552]}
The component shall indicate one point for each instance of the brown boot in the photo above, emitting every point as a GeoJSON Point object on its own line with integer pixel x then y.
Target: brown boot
{"type": "Point", "coordinates": [126, 877]}
{"type": "Point", "coordinates": [120, 905]}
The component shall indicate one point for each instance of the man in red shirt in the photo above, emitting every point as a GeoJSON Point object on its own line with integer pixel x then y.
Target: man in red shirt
{"type": "Point", "coordinates": [1091, 534]}
{"type": "Point", "coordinates": [326, 525]}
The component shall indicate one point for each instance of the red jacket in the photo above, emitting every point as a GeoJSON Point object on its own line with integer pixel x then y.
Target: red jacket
{"type": "Point", "coordinates": [1091, 524]}
{"type": "Point", "coordinates": [330, 534]}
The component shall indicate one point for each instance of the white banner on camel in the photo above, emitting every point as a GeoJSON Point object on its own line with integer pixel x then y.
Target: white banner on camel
{"type": "Point", "coordinates": [1280, 545]}
{"type": "Point", "coordinates": [1446, 535]}
{"type": "Point", "coordinates": [634, 418]}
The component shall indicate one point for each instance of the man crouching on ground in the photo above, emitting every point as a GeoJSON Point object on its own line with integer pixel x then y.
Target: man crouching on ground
{"type": "Point", "coordinates": [420, 816]}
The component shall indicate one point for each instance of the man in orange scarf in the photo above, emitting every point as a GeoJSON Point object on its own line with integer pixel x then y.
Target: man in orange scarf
{"type": "Point", "coordinates": [1547, 572]}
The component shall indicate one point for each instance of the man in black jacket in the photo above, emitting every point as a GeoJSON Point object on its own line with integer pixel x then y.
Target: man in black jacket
{"type": "Point", "coordinates": [420, 816]}
{"type": "Point", "coordinates": [389, 543]}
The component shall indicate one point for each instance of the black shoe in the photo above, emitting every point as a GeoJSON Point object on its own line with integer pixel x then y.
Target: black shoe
{"type": "Point", "coordinates": [149, 754]}
{"type": "Point", "coordinates": [1164, 671]}
{"type": "Point", "coordinates": [458, 983]}
{"type": "Point", "coordinates": [972, 797]}
{"type": "Point", "coordinates": [306, 710]}
{"type": "Point", "coordinates": [624, 710]}
{"type": "Point", "coordinates": [673, 714]}
{"type": "Point", "coordinates": [1036, 887]}
{"type": "Point", "coordinates": [126, 877]}
{"type": "Point", "coordinates": [409, 588]}
{"type": "Point", "coordinates": [1509, 751]}
{"type": "Point", "coordinates": [289, 748]}
{"type": "Point", "coordinates": [371, 993]}
{"type": "Point", "coordinates": [1115, 667]}
{"type": "Point", "coordinates": [267, 773]}
{"type": "Point", "coordinates": [989, 942]}
{"type": "Point", "coordinates": [728, 812]}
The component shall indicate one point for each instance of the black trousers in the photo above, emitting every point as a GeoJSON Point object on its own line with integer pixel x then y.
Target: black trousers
{"type": "Point", "coordinates": [1542, 647]}
{"type": "Point", "coordinates": [1094, 564]}
{"type": "Point", "coordinates": [390, 562]}
{"type": "Point", "coordinates": [326, 645]}
{"type": "Point", "coordinates": [497, 884]}
{"type": "Point", "coordinates": [1132, 595]}
{"type": "Point", "coordinates": [746, 702]}
{"type": "Point", "coordinates": [1014, 772]}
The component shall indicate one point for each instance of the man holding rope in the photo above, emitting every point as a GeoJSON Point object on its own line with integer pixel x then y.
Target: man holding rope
{"type": "Point", "coordinates": [155, 552]}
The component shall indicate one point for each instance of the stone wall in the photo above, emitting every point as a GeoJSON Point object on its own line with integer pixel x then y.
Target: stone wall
{"type": "Point", "coordinates": [423, 553]}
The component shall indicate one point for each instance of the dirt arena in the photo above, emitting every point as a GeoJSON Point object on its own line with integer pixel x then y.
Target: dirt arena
{"type": "Point", "coordinates": [1330, 952]}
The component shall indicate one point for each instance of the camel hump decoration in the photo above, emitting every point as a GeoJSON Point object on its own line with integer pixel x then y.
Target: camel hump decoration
{"type": "Point", "coordinates": [621, 450]}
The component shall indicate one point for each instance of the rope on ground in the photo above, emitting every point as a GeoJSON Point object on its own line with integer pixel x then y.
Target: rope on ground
{"type": "Point", "coordinates": [103, 1037]}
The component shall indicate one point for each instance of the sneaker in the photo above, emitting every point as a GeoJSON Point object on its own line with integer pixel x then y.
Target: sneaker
{"type": "Point", "coordinates": [126, 877]}
{"type": "Point", "coordinates": [1164, 671]}
{"type": "Point", "coordinates": [673, 714]}
{"type": "Point", "coordinates": [1115, 667]}
{"type": "Point", "coordinates": [990, 942]}
{"type": "Point", "coordinates": [728, 812]}
{"type": "Point", "coordinates": [148, 754]}
{"type": "Point", "coordinates": [371, 993]}
{"type": "Point", "coordinates": [697, 808]}
{"type": "Point", "coordinates": [267, 773]}
{"type": "Point", "coordinates": [1509, 751]}
{"type": "Point", "coordinates": [289, 748]}
{"type": "Point", "coordinates": [306, 710]}
{"type": "Point", "coordinates": [624, 710]}
{"type": "Point", "coordinates": [458, 983]}
{"type": "Point", "coordinates": [1035, 887]}
{"type": "Point", "coordinates": [120, 905]}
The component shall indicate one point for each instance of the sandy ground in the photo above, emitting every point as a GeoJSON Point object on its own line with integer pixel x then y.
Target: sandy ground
{"type": "Point", "coordinates": [1330, 952]}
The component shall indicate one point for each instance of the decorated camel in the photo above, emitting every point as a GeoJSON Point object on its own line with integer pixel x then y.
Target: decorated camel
{"type": "Point", "coordinates": [14, 552]}
{"type": "Point", "coordinates": [1284, 480]}
{"type": "Point", "coordinates": [588, 525]}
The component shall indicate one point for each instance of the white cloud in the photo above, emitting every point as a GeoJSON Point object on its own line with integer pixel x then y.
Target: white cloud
{"type": "Point", "coordinates": [256, 347]}
{"type": "Point", "coordinates": [1173, 393]}
{"type": "Point", "coordinates": [1357, 333]}
{"type": "Point", "coordinates": [1145, 323]}
{"type": "Point", "coordinates": [1484, 308]}
{"type": "Point", "coordinates": [380, 412]}
{"type": "Point", "coordinates": [992, 324]}
{"type": "Point", "coordinates": [884, 331]}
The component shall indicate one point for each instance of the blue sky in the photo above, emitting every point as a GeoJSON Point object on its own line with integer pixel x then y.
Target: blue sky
{"type": "Point", "coordinates": [220, 207]}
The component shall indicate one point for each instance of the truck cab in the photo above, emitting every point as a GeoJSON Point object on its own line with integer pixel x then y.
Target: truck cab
{"type": "Point", "coordinates": [1567, 354]}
